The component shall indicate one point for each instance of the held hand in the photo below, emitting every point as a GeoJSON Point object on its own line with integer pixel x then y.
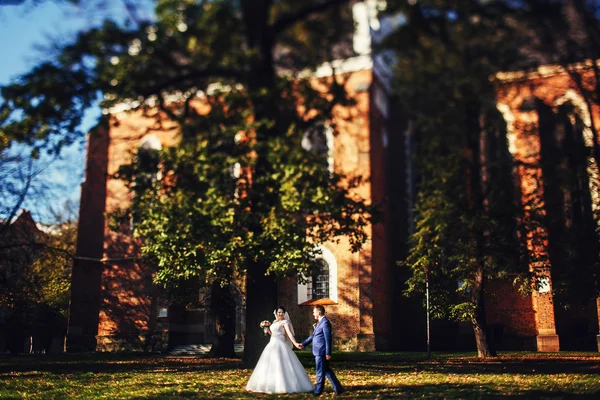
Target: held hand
{"type": "Point", "coordinates": [299, 346]}
{"type": "Point", "coordinates": [328, 358]}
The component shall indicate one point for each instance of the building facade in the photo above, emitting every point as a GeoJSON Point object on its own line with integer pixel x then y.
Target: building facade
{"type": "Point", "coordinates": [115, 305]}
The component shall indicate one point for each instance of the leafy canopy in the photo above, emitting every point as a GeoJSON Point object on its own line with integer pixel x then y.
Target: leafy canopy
{"type": "Point", "coordinates": [239, 58]}
{"type": "Point", "coordinates": [465, 208]}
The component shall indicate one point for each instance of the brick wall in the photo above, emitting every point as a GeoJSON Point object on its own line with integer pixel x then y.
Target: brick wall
{"type": "Point", "coordinates": [521, 97]}
{"type": "Point", "coordinates": [510, 316]}
{"type": "Point", "coordinates": [87, 267]}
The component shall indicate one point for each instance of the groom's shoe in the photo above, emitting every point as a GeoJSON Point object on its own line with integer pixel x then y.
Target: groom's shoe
{"type": "Point", "coordinates": [316, 391]}
{"type": "Point", "coordinates": [339, 392]}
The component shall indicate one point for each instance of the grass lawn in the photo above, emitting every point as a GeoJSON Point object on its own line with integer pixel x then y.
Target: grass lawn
{"type": "Point", "coordinates": [365, 376]}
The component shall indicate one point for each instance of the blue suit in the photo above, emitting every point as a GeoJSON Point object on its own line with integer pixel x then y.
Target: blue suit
{"type": "Point", "coordinates": [321, 345]}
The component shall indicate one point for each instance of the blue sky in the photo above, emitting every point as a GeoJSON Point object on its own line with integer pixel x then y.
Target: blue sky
{"type": "Point", "coordinates": [23, 27]}
{"type": "Point", "coordinates": [26, 26]}
{"type": "Point", "coordinates": [25, 31]}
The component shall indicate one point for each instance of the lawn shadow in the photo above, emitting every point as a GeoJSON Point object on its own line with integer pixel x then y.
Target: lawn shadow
{"type": "Point", "coordinates": [454, 391]}
{"type": "Point", "coordinates": [521, 363]}
{"type": "Point", "coordinates": [115, 362]}
{"type": "Point", "coordinates": [375, 363]}
{"type": "Point", "coordinates": [527, 367]}
{"type": "Point", "coordinates": [437, 391]}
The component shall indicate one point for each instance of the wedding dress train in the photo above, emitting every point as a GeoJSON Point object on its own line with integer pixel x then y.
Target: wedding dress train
{"type": "Point", "coordinates": [278, 369]}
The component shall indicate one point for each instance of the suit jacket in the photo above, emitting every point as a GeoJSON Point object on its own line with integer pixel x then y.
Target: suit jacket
{"type": "Point", "coordinates": [320, 338]}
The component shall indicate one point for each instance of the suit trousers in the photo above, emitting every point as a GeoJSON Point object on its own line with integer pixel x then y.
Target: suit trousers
{"type": "Point", "coordinates": [323, 370]}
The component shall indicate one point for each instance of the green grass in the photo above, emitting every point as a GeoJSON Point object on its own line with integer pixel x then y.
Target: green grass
{"type": "Point", "coordinates": [365, 375]}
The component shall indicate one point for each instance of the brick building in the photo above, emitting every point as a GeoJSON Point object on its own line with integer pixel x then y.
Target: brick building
{"type": "Point", "coordinates": [545, 112]}
{"type": "Point", "coordinates": [114, 304]}
{"type": "Point", "coordinates": [17, 253]}
{"type": "Point", "coordinates": [128, 304]}
{"type": "Point", "coordinates": [550, 133]}
{"type": "Point", "coordinates": [27, 324]}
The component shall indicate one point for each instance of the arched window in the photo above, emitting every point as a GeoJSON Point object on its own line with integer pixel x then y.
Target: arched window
{"type": "Point", "coordinates": [147, 162]}
{"type": "Point", "coordinates": [581, 121]}
{"type": "Point", "coordinates": [319, 139]}
{"type": "Point", "coordinates": [150, 142]}
{"type": "Point", "coordinates": [145, 169]}
{"type": "Point", "coordinates": [322, 284]}
{"type": "Point", "coordinates": [318, 285]}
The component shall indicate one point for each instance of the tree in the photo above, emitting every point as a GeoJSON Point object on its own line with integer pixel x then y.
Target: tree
{"type": "Point", "coordinates": [29, 166]}
{"type": "Point", "coordinates": [263, 225]}
{"type": "Point", "coordinates": [569, 37]}
{"type": "Point", "coordinates": [19, 180]}
{"type": "Point", "coordinates": [35, 280]}
{"type": "Point", "coordinates": [467, 208]}
{"type": "Point", "coordinates": [447, 53]}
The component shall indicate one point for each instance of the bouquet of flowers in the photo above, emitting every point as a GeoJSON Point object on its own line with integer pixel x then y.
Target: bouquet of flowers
{"type": "Point", "coordinates": [264, 325]}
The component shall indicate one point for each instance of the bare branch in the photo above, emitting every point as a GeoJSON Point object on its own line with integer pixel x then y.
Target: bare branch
{"type": "Point", "coordinates": [15, 209]}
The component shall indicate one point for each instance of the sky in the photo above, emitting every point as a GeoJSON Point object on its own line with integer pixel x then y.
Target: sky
{"type": "Point", "coordinates": [25, 31]}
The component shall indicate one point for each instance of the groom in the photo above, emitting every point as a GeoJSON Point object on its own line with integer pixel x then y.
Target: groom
{"type": "Point", "coordinates": [321, 338]}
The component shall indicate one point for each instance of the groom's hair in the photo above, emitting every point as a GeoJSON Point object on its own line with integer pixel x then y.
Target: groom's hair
{"type": "Point", "coordinates": [320, 309]}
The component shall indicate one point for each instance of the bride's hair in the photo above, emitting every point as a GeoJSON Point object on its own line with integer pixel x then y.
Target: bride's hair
{"type": "Point", "coordinates": [282, 308]}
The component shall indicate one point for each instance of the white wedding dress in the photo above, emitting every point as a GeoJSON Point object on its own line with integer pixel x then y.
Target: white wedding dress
{"type": "Point", "coordinates": [278, 369]}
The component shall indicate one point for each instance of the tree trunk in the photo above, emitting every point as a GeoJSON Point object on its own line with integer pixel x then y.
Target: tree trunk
{"type": "Point", "coordinates": [475, 137]}
{"type": "Point", "coordinates": [484, 348]}
{"type": "Point", "coordinates": [269, 106]}
{"type": "Point", "coordinates": [222, 306]}
{"type": "Point", "coordinates": [261, 290]}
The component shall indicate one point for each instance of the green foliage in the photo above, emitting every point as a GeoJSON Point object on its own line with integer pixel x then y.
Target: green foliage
{"type": "Point", "coordinates": [37, 281]}
{"type": "Point", "coordinates": [465, 208]}
{"type": "Point", "coordinates": [468, 215]}
{"type": "Point", "coordinates": [196, 220]}
{"type": "Point", "coordinates": [49, 278]}
{"type": "Point", "coordinates": [208, 222]}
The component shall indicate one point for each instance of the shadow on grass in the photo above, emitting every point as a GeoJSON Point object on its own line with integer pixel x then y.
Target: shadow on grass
{"type": "Point", "coordinates": [512, 363]}
{"type": "Point", "coordinates": [114, 362]}
{"type": "Point", "coordinates": [438, 391]}
{"type": "Point", "coordinates": [456, 391]}
{"type": "Point", "coordinates": [376, 363]}
{"type": "Point", "coordinates": [523, 367]}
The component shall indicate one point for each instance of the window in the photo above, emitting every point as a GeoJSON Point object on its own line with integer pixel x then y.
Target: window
{"type": "Point", "coordinates": [147, 160]}
{"type": "Point", "coordinates": [319, 140]}
{"type": "Point", "coordinates": [323, 282]}
{"type": "Point", "coordinates": [145, 169]}
{"type": "Point", "coordinates": [150, 142]}
{"type": "Point", "coordinates": [318, 286]}
{"type": "Point", "coordinates": [543, 284]}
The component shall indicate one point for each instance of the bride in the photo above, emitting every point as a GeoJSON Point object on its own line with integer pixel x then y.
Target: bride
{"type": "Point", "coordinates": [278, 369]}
